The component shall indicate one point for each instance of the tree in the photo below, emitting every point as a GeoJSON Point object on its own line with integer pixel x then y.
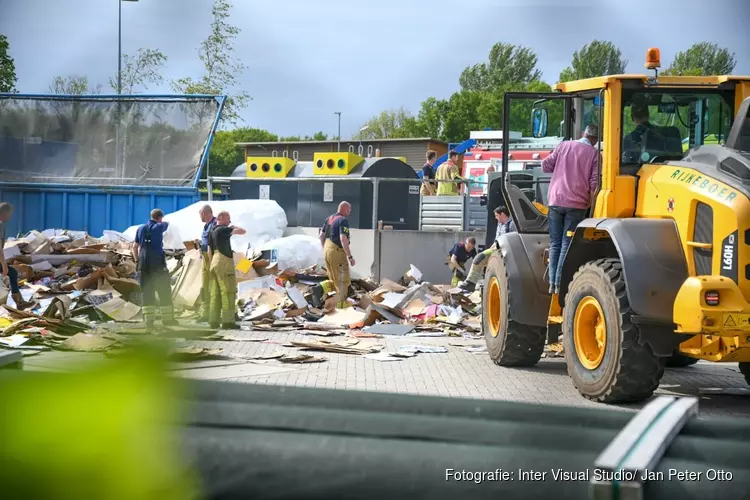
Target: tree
{"type": "Point", "coordinates": [599, 58]}
{"type": "Point", "coordinates": [139, 70]}
{"type": "Point", "coordinates": [391, 124]}
{"type": "Point", "coordinates": [226, 155]}
{"type": "Point", "coordinates": [508, 64]}
{"type": "Point", "coordinates": [7, 67]}
{"type": "Point", "coordinates": [73, 85]}
{"type": "Point", "coordinates": [222, 70]}
{"type": "Point", "coordinates": [431, 118]}
{"type": "Point", "coordinates": [317, 136]}
{"type": "Point", "coordinates": [704, 58]}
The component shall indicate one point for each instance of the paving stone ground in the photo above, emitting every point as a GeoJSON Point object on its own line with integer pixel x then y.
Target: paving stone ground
{"type": "Point", "coordinates": [456, 373]}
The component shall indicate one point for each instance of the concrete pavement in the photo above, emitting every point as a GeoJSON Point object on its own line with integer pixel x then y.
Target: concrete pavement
{"type": "Point", "coordinates": [457, 373]}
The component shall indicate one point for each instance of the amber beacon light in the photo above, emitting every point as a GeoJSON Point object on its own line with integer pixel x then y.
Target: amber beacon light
{"type": "Point", "coordinates": [653, 58]}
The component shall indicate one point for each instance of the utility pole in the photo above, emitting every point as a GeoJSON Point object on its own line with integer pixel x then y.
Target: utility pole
{"type": "Point", "coordinates": [339, 136]}
{"type": "Point", "coordinates": [119, 85]}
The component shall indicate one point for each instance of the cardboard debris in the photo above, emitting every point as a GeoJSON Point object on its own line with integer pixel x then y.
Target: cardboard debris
{"type": "Point", "coordinates": [338, 347]}
{"type": "Point", "coordinates": [88, 342]}
{"type": "Point", "coordinates": [82, 287]}
{"type": "Point", "coordinates": [301, 358]}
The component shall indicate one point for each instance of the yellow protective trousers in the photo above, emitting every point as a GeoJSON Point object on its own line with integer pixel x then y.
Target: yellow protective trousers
{"type": "Point", "coordinates": [223, 289]}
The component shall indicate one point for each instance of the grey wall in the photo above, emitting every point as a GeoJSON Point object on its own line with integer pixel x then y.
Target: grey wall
{"type": "Point", "coordinates": [395, 250]}
{"type": "Point", "coordinates": [426, 250]}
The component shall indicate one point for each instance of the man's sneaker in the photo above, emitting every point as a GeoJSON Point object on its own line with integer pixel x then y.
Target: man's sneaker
{"type": "Point", "coordinates": [467, 286]}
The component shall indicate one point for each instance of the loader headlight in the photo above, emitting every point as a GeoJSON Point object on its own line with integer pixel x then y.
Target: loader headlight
{"type": "Point", "coordinates": [711, 297]}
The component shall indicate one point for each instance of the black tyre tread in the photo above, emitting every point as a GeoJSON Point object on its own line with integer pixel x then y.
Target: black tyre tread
{"type": "Point", "coordinates": [523, 344]}
{"type": "Point", "coordinates": [679, 360]}
{"type": "Point", "coordinates": [745, 370]}
{"type": "Point", "coordinates": [640, 370]}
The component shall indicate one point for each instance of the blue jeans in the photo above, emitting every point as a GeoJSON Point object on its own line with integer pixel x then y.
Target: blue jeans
{"type": "Point", "coordinates": [561, 221]}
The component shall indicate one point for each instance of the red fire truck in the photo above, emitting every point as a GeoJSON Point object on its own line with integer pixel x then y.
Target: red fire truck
{"type": "Point", "coordinates": [525, 153]}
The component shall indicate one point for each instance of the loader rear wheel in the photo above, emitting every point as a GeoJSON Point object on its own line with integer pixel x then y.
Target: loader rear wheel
{"type": "Point", "coordinates": [745, 370]}
{"type": "Point", "coordinates": [679, 360]}
{"type": "Point", "coordinates": [605, 359]}
{"type": "Point", "coordinates": [509, 343]}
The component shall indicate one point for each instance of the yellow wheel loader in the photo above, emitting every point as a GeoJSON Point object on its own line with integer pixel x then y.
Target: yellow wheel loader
{"type": "Point", "coordinates": [659, 272]}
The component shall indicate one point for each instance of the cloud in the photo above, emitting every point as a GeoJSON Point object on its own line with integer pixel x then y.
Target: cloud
{"type": "Point", "coordinates": [306, 59]}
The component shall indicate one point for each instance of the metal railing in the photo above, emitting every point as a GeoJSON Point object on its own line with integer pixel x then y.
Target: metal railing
{"type": "Point", "coordinates": [211, 182]}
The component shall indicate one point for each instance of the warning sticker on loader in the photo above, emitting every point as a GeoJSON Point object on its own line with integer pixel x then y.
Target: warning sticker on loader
{"type": "Point", "coordinates": [736, 320]}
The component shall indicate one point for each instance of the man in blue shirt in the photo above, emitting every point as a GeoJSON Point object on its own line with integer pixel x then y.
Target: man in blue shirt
{"type": "Point", "coordinates": [209, 222]}
{"type": "Point", "coordinates": [428, 173]}
{"type": "Point", "coordinates": [458, 255]}
{"type": "Point", "coordinates": [148, 252]}
{"type": "Point", "coordinates": [334, 238]}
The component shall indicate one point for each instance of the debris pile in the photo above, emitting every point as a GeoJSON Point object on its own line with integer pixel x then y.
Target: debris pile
{"type": "Point", "coordinates": [84, 296]}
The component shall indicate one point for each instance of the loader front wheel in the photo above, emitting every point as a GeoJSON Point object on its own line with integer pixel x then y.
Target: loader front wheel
{"type": "Point", "coordinates": [509, 343]}
{"type": "Point", "coordinates": [605, 359]}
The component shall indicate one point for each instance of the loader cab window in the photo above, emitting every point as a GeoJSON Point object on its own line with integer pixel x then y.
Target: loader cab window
{"type": "Point", "coordinates": [659, 126]}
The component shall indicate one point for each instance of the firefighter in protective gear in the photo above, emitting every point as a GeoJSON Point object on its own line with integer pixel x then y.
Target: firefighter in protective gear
{"type": "Point", "coordinates": [334, 238]}
{"type": "Point", "coordinates": [505, 225]}
{"type": "Point", "coordinates": [209, 222]}
{"type": "Point", "coordinates": [457, 257]}
{"type": "Point", "coordinates": [148, 252]}
{"type": "Point", "coordinates": [223, 280]}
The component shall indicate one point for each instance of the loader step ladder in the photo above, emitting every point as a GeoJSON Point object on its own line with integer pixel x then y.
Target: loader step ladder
{"type": "Point", "coordinates": [639, 447]}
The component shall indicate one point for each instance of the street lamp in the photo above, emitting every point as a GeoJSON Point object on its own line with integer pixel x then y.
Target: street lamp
{"type": "Point", "coordinates": [107, 142]}
{"type": "Point", "coordinates": [119, 45]}
{"type": "Point", "coordinates": [338, 137]}
{"type": "Point", "coordinates": [366, 127]}
{"type": "Point", "coordinates": [161, 169]}
{"type": "Point", "coordinates": [119, 84]}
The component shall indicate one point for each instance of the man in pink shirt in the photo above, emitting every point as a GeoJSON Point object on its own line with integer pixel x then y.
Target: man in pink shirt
{"type": "Point", "coordinates": [575, 177]}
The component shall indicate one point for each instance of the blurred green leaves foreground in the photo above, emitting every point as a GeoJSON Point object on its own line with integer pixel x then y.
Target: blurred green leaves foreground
{"type": "Point", "coordinates": [104, 434]}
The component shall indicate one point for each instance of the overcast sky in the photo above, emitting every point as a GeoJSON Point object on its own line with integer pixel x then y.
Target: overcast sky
{"type": "Point", "coordinates": [306, 59]}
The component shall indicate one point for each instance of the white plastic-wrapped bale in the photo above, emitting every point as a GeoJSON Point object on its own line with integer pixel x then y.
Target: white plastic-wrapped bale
{"type": "Point", "coordinates": [296, 252]}
{"type": "Point", "coordinates": [264, 221]}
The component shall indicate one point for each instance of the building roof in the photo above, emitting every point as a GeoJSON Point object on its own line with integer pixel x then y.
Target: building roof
{"type": "Point", "coordinates": [363, 141]}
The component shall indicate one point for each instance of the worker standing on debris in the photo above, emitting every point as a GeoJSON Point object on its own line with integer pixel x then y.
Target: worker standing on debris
{"type": "Point", "coordinates": [209, 222]}
{"type": "Point", "coordinates": [334, 238]}
{"type": "Point", "coordinates": [457, 257]}
{"type": "Point", "coordinates": [505, 225]}
{"type": "Point", "coordinates": [6, 212]}
{"type": "Point", "coordinates": [575, 178]}
{"type": "Point", "coordinates": [148, 252]}
{"type": "Point", "coordinates": [223, 279]}
{"type": "Point", "coordinates": [449, 171]}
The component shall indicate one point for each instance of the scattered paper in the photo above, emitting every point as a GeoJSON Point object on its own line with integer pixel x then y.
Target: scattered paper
{"type": "Point", "coordinates": [382, 356]}
{"type": "Point", "coordinates": [14, 340]}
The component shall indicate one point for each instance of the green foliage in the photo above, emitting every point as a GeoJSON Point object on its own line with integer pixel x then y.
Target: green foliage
{"type": "Point", "coordinates": [139, 70]}
{"type": "Point", "coordinates": [391, 124]}
{"type": "Point", "coordinates": [73, 85]}
{"type": "Point", "coordinates": [222, 70]}
{"type": "Point", "coordinates": [7, 67]}
{"type": "Point", "coordinates": [704, 58]}
{"type": "Point", "coordinates": [599, 58]}
{"type": "Point", "coordinates": [226, 155]}
{"type": "Point", "coordinates": [507, 64]}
